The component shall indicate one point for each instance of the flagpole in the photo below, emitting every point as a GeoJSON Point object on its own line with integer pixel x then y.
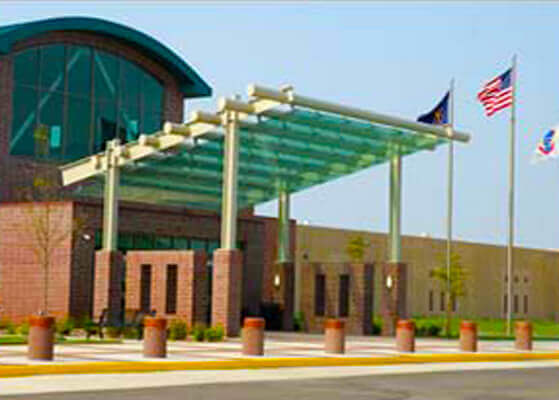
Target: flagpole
{"type": "Point", "coordinates": [511, 199]}
{"type": "Point", "coordinates": [450, 179]}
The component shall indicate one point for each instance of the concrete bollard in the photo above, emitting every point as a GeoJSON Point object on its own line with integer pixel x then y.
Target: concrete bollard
{"type": "Point", "coordinates": [405, 336]}
{"type": "Point", "coordinates": [468, 336]}
{"type": "Point", "coordinates": [155, 337]}
{"type": "Point", "coordinates": [253, 336]}
{"type": "Point", "coordinates": [523, 335]}
{"type": "Point", "coordinates": [334, 336]}
{"type": "Point", "coordinates": [41, 338]}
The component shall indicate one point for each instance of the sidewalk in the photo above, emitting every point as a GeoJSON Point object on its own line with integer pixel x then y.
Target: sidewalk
{"type": "Point", "coordinates": [281, 350]}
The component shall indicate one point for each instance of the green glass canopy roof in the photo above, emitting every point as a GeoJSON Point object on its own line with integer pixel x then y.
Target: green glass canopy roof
{"type": "Point", "coordinates": [285, 147]}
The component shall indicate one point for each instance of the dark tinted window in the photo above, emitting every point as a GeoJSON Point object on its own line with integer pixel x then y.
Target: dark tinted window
{"type": "Point", "coordinates": [145, 288]}
{"type": "Point", "coordinates": [343, 298]}
{"type": "Point", "coordinates": [319, 294]}
{"type": "Point", "coordinates": [79, 98]}
{"type": "Point", "coordinates": [171, 290]}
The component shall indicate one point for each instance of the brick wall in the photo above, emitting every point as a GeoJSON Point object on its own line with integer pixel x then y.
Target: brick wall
{"type": "Point", "coordinates": [192, 299]}
{"type": "Point", "coordinates": [22, 285]}
{"type": "Point", "coordinates": [359, 319]}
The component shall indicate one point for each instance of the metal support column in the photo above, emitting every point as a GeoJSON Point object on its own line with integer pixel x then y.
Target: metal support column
{"type": "Point", "coordinates": [395, 248]}
{"type": "Point", "coordinates": [110, 202]}
{"type": "Point", "coordinates": [229, 193]}
{"type": "Point", "coordinates": [283, 227]}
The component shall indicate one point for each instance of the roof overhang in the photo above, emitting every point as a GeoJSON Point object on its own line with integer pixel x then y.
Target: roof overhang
{"type": "Point", "coordinates": [191, 83]}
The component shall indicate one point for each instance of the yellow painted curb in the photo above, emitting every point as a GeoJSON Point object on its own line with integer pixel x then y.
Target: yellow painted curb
{"type": "Point", "coordinates": [10, 371]}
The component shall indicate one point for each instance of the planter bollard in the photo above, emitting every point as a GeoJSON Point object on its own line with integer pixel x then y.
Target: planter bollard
{"type": "Point", "coordinates": [155, 337]}
{"type": "Point", "coordinates": [334, 336]}
{"type": "Point", "coordinates": [405, 336]}
{"type": "Point", "coordinates": [41, 338]}
{"type": "Point", "coordinates": [468, 336]}
{"type": "Point", "coordinates": [523, 335]}
{"type": "Point", "coordinates": [253, 336]}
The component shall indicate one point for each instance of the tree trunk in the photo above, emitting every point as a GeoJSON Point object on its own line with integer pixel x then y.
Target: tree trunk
{"type": "Point", "coordinates": [448, 315]}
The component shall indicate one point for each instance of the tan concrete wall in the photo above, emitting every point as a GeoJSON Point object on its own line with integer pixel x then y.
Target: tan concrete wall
{"type": "Point", "coordinates": [536, 273]}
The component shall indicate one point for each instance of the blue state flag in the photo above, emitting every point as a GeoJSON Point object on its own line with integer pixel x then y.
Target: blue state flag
{"type": "Point", "coordinates": [439, 114]}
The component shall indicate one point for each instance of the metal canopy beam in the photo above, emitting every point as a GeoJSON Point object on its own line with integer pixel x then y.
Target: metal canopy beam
{"type": "Point", "coordinates": [287, 96]}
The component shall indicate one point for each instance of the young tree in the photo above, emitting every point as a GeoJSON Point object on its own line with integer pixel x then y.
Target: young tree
{"type": "Point", "coordinates": [356, 248]}
{"type": "Point", "coordinates": [44, 230]}
{"type": "Point", "coordinates": [458, 277]}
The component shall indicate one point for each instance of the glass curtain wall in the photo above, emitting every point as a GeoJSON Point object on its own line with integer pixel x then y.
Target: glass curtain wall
{"type": "Point", "coordinates": [69, 100]}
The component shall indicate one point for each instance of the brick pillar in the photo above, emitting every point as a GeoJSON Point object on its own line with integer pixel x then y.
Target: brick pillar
{"type": "Point", "coordinates": [192, 289]}
{"type": "Point", "coordinates": [226, 290]}
{"type": "Point", "coordinates": [109, 269]}
{"type": "Point", "coordinates": [393, 299]}
{"type": "Point", "coordinates": [361, 300]}
{"type": "Point", "coordinates": [287, 287]}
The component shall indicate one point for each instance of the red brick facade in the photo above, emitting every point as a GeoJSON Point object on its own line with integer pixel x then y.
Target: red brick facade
{"type": "Point", "coordinates": [359, 318]}
{"type": "Point", "coordinates": [192, 294]}
{"type": "Point", "coordinates": [226, 290]}
{"type": "Point", "coordinates": [73, 262]}
{"type": "Point", "coordinates": [23, 249]}
{"type": "Point", "coordinates": [107, 285]}
{"type": "Point", "coordinates": [393, 299]}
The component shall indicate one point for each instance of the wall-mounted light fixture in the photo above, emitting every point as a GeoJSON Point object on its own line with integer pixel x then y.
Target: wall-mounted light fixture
{"type": "Point", "coordinates": [277, 281]}
{"type": "Point", "coordinates": [389, 282]}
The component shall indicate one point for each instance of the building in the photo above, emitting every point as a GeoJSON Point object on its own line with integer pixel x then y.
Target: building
{"type": "Point", "coordinates": [69, 86]}
{"type": "Point", "coordinates": [535, 280]}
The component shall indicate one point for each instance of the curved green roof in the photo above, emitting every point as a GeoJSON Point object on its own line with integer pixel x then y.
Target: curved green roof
{"type": "Point", "coordinates": [192, 85]}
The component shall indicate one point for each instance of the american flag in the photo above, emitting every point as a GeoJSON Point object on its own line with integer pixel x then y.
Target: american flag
{"type": "Point", "coordinates": [497, 93]}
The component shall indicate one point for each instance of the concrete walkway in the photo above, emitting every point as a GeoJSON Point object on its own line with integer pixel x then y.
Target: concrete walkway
{"type": "Point", "coordinates": [281, 350]}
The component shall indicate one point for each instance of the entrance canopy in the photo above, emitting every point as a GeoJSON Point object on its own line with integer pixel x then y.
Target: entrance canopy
{"type": "Point", "coordinates": [286, 143]}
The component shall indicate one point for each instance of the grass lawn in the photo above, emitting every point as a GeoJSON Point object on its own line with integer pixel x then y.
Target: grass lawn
{"type": "Point", "coordinates": [496, 328]}
{"type": "Point", "coordinates": [20, 339]}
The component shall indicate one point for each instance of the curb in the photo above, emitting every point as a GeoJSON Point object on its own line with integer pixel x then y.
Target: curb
{"type": "Point", "coordinates": [12, 371]}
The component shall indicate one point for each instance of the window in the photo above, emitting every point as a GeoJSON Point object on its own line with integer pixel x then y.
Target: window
{"type": "Point", "coordinates": [525, 304]}
{"type": "Point", "coordinates": [69, 100]}
{"type": "Point", "coordinates": [343, 298]}
{"type": "Point", "coordinates": [454, 304]}
{"type": "Point", "coordinates": [181, 243]}
{"type": "Point", "coordinates": [319, 294]}
{"type": "Point", "coordinates": [505, 304]}
{"type": "Point", "coordinates": [198, 244]}
{"type": "Point", "coordinates": [431, 301]}
{"type": "Point", "coordinates": [515, 306]}
{"type": "Point", "coordinates": [442, 301]}
{"type": "Point", "coordinates": [163, 242]}
{"type": "Point", "coordinates": [171, 290]}
{"type": "Point", "coordinates": [145, 288]}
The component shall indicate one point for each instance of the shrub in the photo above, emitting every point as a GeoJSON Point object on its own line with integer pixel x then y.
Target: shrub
{"type": "Point", "coordinates": [114, 332]}
{"type": "Point", "coordinates": [214, 334]}
{"type": "Point", "coordinates": [198, 332]}
{"type": "Point", "coordinates": [10, 328]}
{"type": "Point", "coordinates": [428, 328]}
{"type": "Point", "coordinates": [23, 329]}
{"type": "Point", "coordinates": [89, 327]}
{"type": "Point", "coordinates": [65, 326]}
{"type": "Point", "coordinates": [299, 321]}
{"type": "Point", "coordinates": [177, 330]}
{"type": "Point", "coordinates": [377, 326]}
{"type": "Point", "coordinates": [131, 332]}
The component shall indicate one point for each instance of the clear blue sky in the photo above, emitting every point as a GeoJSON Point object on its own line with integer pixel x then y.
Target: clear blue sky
{"type": "Point", "coordinates": [390, 58]}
